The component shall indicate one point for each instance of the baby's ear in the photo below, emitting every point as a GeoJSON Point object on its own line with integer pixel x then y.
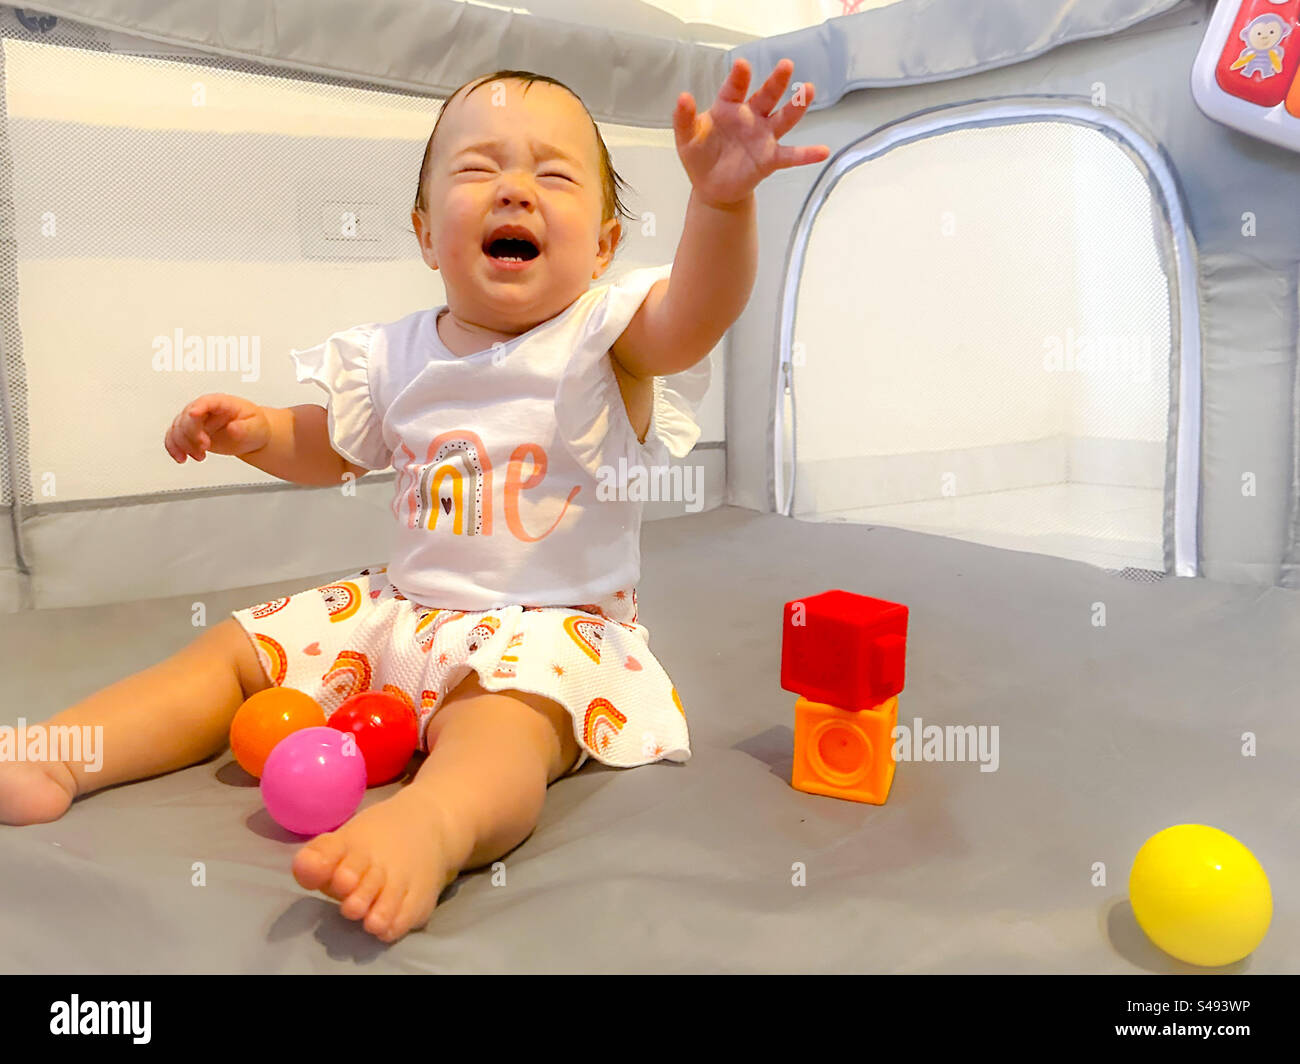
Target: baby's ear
{"type": "Point", "coordinates": [424, 234]}
{"type": "Point", "coordinates": [610, 233]}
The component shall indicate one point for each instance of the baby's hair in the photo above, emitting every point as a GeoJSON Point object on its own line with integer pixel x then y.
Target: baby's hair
{"type": "Point", "coordinates": [612, 184]}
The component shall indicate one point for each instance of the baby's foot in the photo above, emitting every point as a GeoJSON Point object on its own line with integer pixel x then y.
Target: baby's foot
{"type": "Point", "coordinates": [35, 792]}
{"type": "Point", "coordinates": [387, 865]}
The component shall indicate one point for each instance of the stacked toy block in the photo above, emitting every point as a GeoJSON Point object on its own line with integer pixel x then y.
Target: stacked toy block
{"type": "Point", "coordinates": [843, 654]}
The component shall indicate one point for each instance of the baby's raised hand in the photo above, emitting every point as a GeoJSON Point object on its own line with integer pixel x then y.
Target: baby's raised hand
{"type": "Point", "coordinates": [222, 424]}
{"type": "Point", "coordinates": [730, 148]}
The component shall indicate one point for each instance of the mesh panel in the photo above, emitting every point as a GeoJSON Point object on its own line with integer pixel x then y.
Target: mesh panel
{"type": "Point", "coordinates": [1142, 576]}
{"type": "Point", "coordinates": [982, 347]}
{"type": "Point", "coordinates": [163, 202]}
{"type": "Point", "coordinates": [13, 392]}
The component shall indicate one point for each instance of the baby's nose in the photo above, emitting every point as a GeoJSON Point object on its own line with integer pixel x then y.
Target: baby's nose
{"type": "Point", "coordinates": [514, 194]}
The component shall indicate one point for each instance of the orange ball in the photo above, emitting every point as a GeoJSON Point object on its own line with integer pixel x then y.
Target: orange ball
{"type": "Point", "coordinates": [265, 719]}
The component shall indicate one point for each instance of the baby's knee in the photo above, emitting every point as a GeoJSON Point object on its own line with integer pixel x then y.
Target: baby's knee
{"type": "Point", "coordinates": [545, 725]}
{"type": "Point", "coordinates": [230, 642]}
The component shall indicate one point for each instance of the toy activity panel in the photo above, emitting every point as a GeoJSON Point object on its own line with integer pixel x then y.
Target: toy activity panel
{"type": "Point", "coordinates": [1245, 74]}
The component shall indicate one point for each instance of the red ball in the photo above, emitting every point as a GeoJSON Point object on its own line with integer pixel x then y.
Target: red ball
{"type": "Point", "coordinates": [386, 733]}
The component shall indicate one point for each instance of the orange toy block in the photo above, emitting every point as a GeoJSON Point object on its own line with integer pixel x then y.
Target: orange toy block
{"type": "Point", "coordinates": [844, 753]}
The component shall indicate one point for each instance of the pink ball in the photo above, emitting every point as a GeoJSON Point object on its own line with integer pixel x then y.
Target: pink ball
{"type": "Point", "coordinates": [314, 780]}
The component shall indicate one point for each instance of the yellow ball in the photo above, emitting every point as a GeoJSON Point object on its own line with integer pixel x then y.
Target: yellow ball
{"type": "Point", "coordinates": [1200, 895]}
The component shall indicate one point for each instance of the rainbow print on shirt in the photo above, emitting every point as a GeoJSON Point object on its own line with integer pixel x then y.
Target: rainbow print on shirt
{"type": "Point", "coordinates": [451, 490]}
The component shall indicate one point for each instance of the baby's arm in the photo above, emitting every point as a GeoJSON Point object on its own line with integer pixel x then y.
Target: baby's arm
{"type": "Point", "coordinates": [726, 152]}
{"type": "Point", "coordinates": [299, 448]}
{"type": "Point", "coordinates": [292, 444]}
{"type": "Point", "coordinates": [683, 317]}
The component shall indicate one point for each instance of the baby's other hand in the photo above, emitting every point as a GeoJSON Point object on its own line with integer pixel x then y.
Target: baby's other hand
{"type": "Point", "coordinates": [222, 424]}
{"type": "Point", "coordinates": [736, 143]}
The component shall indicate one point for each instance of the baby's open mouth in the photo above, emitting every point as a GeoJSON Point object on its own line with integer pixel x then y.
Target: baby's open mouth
{"type": "Point", "coordinates": [516, 248]}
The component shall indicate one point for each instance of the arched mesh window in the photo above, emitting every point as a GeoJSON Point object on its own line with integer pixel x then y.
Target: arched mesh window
{"type": "Point", "coordinates": [981, 346]}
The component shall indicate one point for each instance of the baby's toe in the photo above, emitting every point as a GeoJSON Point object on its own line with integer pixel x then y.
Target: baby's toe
{"type": "Point", "coordinates": [358, 903]}
{"type": "Point", "coordinates": [349, 874]}
{"type": "Point", "coordinates": [384, 912]}
{"type": "Point", "coordinates": [314, 864]}
{"type": "Point", "coordinates": [415, 912]}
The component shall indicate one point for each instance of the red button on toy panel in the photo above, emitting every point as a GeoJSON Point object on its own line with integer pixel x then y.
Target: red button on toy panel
{"type": "Point", "coordinates": [1260, 60]}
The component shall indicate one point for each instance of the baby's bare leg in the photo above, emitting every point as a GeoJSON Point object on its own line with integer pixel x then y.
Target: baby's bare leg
{"type": "Point", "coordinates": [163, 718]}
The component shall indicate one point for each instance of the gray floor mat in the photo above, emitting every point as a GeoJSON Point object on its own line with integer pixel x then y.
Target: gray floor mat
{"type": "Point", "coordinates": [1106, 735]}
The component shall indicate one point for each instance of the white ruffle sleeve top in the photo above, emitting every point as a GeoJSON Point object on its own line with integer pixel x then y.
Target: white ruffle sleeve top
{"type": "Point", "coordinates": [498, 455]}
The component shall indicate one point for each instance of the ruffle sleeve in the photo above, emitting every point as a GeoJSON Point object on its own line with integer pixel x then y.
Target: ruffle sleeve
{"type": "Point", "coordinates": [590, 414]}
{"type": "Point", "coordinates": [341, 367]}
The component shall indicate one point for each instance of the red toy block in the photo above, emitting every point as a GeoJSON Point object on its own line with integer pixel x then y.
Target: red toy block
{"type": "Point", "coordinates": [844, 650]}
{"type": "Point", "coordinates": [844, 753]}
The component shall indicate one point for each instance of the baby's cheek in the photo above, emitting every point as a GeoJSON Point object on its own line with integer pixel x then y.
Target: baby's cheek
{"type": "Point", "coordinates": [460, 249]}
{"type": "Point", "coordinates": [462, 229]}
{"type": "Point", "coordinates": [456, 254]}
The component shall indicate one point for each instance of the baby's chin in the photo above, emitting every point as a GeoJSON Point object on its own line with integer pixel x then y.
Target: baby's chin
{"type": "Point", "coordinates": [511, 308]}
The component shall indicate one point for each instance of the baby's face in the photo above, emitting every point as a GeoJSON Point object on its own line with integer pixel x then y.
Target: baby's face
{"type": "Point", "coordinates": [512, 167]}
